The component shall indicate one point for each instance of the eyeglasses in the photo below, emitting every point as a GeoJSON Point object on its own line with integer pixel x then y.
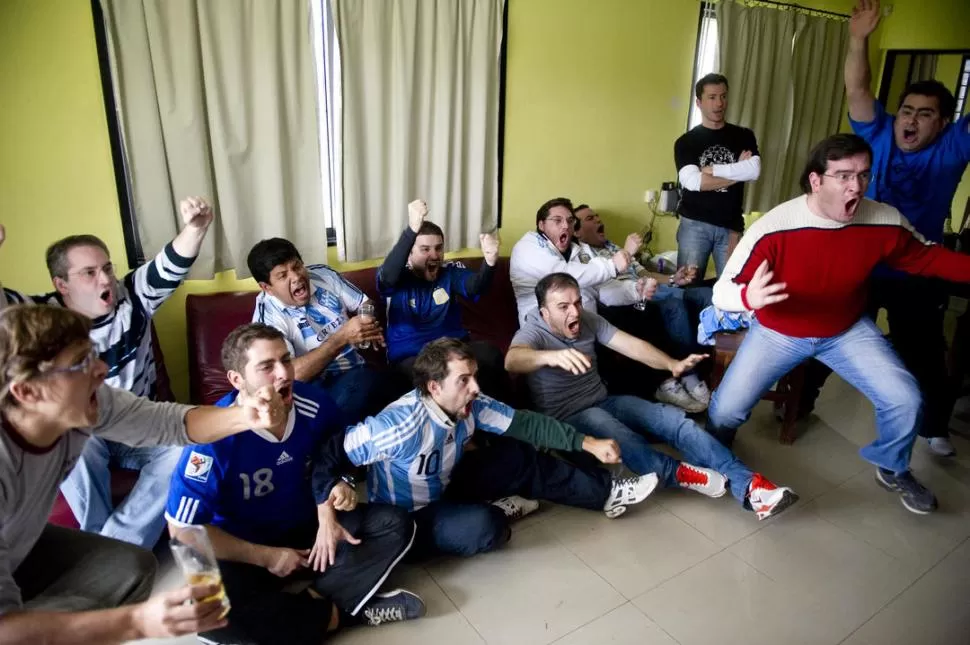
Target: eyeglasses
{"type": "Point", "coordinates": [559, 221]}
{"type": "Point", "coordinates": [846, 177]}
{"type": "Point", "coordinates": [80, 367]}
{"type": "Point", "coordinates": [91, 273]}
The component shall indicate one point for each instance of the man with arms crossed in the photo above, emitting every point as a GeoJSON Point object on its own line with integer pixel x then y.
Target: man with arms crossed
{"type": "Point", "coordinates": [557, 349]}
{"type": "Point", "coordinates": [62, 585]}
{"type": "Point", "coordinates": [821, 249]}
{"type": "Point", "coordinates": [918, 158]}
{"type": "Point", "coordinates": [422, 456]}
{"type": "Point", "coordinates": [714, 160]}
{"type": "Point", "coordinates": [121, 312]}
{"type": "Point", "coordinates": [252, 491]}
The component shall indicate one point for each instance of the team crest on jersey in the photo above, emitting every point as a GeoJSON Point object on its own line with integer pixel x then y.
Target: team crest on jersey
{"type": "Point", "coordinates": [328, 300]}
{"type": "Point", "coordinates": [198, 467]}
{"type": "Point", "coordinates": [584, 258]}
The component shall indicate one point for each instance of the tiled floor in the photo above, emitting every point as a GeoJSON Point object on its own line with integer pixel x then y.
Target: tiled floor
{"type": "Point", "coordinates": [847, 564]}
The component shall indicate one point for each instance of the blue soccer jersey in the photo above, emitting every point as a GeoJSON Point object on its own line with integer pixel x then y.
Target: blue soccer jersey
{"type": "Point", "coordinates": [411, 447]}
{"type": "Point", "coordinates": [252, 485]}
{"type": "Point", "coordinates": [419, 311]}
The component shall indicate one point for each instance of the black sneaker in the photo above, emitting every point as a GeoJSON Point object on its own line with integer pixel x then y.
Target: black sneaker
{"type": "Point", "coordinates": [913, 495]}
{"type": "Point", "coordinates": [393, 606]}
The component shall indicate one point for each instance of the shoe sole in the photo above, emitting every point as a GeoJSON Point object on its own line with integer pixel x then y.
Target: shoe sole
{"type": "Point", "coordinates": [787, 499]}
{"type": "Point", "coordinates": [617, 511]}
{"type": "Point", "coordinates": [902, 500]}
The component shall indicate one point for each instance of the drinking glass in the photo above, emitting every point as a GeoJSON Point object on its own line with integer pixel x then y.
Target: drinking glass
{"type": "Point", "coordinates": [194, 556]}
{"type": "Point", "coordinates": [366, 313]}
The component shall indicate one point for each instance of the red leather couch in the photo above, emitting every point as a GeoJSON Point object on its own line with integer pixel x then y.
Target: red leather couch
{"type": "Point", "coordinates": [211, 317]}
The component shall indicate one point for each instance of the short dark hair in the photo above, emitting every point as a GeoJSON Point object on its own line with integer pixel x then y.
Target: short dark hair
{"type": "Point", "coordinates": [430, 228]}
{"type": "Point", "coordinates": [709, 79]}
{"type": "Point", "coordinates": [833, 148]}
{"type": "Point", "coordinates": [554, 282]}
{"type": "Point", "coordinates": [543, 211]}
{"type": "Point", "coordinates": [936, 89]}
{"type": "Point", "coordinates": [432, 362]}
{"type": "Point", "coordinates": [576, 210]}
{"type": "Point", "coordinates": [268, 254]}
{"type": "Point", "coordinates": [237, 343]}
{"type": "Point", "coordinates": [57, 264]}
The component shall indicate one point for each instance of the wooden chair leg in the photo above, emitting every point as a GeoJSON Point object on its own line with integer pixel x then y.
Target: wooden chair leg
{"type": "Point", "coordinates": [793, 382]}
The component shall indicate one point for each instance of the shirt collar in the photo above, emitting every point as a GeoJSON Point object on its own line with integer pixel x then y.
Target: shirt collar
{"type": "Point", "coordinates": [436, 412]}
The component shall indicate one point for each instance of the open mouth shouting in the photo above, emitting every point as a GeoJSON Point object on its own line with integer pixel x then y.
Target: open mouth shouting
{"type": "Point", "coordinates": [572, 327]}
{"type": "Point", "coordinates": [107, 297]}
{"type": "Point", "coordinates": [850, 207]}
{"type": "Point", "coordinates": [910, 136]}
{"type": "Point", "coordinates": [285, 390]}
{"type": "Point", "coordinates": [431, 268]}
{"type": "Point", "coordinates": [301, 292]}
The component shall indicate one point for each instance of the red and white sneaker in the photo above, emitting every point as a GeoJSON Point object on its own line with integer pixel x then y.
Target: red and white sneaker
{"type": "Point", "coordinates": [766, 499]}
{"type": "Point", "coordinates": [703, 480]}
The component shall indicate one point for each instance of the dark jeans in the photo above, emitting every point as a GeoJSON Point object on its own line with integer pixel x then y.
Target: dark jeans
{"type": "Point", "coordinates": [915, 308]}
{"type": "Point", "coordinates": [492, 378]}
{"type": "Point", "coordinates": [465, 523]}
{"type": "Point", "coordinates": [263, 614]}
{"type": "Point", "coordinates": [363, 391]}
{"type": "Point", "coordinates": [68, 570]}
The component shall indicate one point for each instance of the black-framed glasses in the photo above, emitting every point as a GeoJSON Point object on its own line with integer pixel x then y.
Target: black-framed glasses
{"type": "Point", "coordinates": [845, 177]}
{"type": "Point", "coordinates": [80, 367]}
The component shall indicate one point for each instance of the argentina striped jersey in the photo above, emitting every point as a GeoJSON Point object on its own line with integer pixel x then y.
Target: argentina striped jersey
{"type": "Point", "coordinates": [412, 446]}
{"type": "Point", "coordinates": [306, 328]}
{"type": "Point", "coordinates": [123, 337]}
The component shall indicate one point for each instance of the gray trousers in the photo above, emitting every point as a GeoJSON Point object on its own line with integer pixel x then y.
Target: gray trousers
{"type": "Point", "coordinates": [68, 570]}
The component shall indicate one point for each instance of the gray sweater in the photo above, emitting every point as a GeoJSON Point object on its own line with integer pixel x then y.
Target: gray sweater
{"type": "Point", "coordinates": [29, 478]}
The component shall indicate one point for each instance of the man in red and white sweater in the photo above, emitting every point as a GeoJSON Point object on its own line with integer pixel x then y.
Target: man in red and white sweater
{"type": "Point", "coordinates": [805, 267]}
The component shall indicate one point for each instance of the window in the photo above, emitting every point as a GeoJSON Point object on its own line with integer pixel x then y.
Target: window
{"type": "Point", "coordinates": [326, 55]}
{"type": "Point", "coordinates": [706, 58]}
{"type": "Point", "coordinates": [962, 82]}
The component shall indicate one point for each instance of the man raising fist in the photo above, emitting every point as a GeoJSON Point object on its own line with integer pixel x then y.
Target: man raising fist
{"type": "Point", "coordinates": [422, 287]}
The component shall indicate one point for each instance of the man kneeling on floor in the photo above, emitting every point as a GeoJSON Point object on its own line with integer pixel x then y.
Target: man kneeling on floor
{"type": "Point", "coordinates": [422, 457]}
{"type": "Point", "coordinates": [253, 493]}
{"type": "Point", "coordinates": [556, 348]}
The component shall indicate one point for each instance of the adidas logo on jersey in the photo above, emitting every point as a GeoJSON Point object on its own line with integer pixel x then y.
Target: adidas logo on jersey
{"type": "Point", "coordinates": [284, 459]}
{"type": "Point", "coordinates": [449, 439]}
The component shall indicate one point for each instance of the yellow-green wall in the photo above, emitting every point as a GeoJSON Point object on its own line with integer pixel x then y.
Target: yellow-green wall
{"type": "Point", "coordinates": [597, 94]}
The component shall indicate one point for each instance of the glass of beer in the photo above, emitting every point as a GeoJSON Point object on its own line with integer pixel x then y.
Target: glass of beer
{"type": "Point", "coordinates": [366, 313]}
{"type": "Point", "coordinates": [194, 556]}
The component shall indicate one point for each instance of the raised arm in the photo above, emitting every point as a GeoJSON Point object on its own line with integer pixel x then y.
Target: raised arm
{"type": "Point", "coordinates": [389, 273]}
{"type": "Point", "coordinates": [858, 77]}
{"type": "Point", "coordinates": [196, 216]}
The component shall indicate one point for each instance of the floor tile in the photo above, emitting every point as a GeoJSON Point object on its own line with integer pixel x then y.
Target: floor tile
{"type": "Point", "coordinates": [934, 611]}
{"type": "Point", "coordinates": [637, 551]}
{"type": "Point", "coordinates": [624, 625]}
{"type": "Point", "coordinates": [532, 591]}
{"type": "Point", "coordinates": [726, 601]}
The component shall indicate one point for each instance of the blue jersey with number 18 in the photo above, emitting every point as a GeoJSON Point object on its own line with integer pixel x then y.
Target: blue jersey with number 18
{"type": "Point", "coordinates": [253, 485]}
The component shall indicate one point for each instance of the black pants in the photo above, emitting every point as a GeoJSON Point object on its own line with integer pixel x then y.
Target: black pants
{"type": "Point", "coordinates": [465, 523]}
{"type": "Point", "coordinates": [915, 307]}
{"type": "Point", "coordinates": [492, 378]}
{"type": "Point", "coordinates": [263, 614]}
{"type": "Point", "coordinates": [624, 375]}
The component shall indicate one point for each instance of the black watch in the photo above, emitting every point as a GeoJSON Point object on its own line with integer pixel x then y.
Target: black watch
{"type": "Point", "coordinates": [350, 480]}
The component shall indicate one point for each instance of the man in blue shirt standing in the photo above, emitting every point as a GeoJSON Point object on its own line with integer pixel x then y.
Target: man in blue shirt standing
{"type": "Point", "coordinates": [252, 492]}
{"type": "Point", "coordinates": [423, 455]}
{"type": "Point", "coordinates": [918, 159]}
{"type": "Point", "coordinates": [421, 289]}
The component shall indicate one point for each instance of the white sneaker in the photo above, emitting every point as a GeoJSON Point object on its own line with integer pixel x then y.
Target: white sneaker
{"type": "Point", "coordinates": [627, 491]}
{"type": "Point", "coordinates": [700, 393]}
{"type": "Point", "coordinates": [672, 391]}
{"type": "Point", "coordinates": [766, 499]}
{"type": "Point", "coordinates": [941, 446]}
{"type": "Point", "coordinates": [516, 507]}
{"type": "Point", "coordinates": [703, 480]}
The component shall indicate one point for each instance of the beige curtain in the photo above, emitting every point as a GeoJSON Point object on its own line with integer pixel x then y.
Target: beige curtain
{"type": "Point", "coordinates": [785, 73]}
{"type": "Point", "coordinates": [819, 89]}
{"type": "Point", "coordinates": [420, 82]}
{"type": "Point", "coordinates": [217, 98]}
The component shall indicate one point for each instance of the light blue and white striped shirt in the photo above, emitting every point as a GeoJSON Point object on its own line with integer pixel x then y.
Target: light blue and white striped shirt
{"type": "Point", "coordinates": [306, 328]}
{"type": "Point", "coordinates": [412, 447]}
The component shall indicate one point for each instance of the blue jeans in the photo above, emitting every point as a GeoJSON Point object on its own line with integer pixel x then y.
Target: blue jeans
{"type": "Point", "coordinates": [139, 518]}
{"type": "Point", "coordinates": [680, 308]}
{"type": "Point", "coordinates": [629, 420]}
{"type": "Point", "coordinates": [362, 391]}
{"type": "Point", "coordinates": [696, 241]}
{"type": "Point", "coordinates": [860, 355]}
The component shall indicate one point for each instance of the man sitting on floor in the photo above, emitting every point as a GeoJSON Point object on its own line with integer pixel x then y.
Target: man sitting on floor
{"type": "Point", "coordinates": [557, 349]}
{"type": "Point", "coordinates": [67, 586]}
{"type": "Point", "coordinates": [421, 290]}
{"type": "Point", "coordinates": [422, 457]}
{"type": "Point", "coordinates": [311, 305]}
{"type": "Point", "coordinates": [121, 311]}
{"type": "Point", "coordinates": [262, 531]}
{"type": "Point", "coordinates": [678, 307]}
{"type": "Point", "coordinates": [822, 247]}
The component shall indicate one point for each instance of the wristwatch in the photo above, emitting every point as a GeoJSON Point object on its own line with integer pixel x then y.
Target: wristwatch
{"type": "Point", "coordinates": [350, 480]}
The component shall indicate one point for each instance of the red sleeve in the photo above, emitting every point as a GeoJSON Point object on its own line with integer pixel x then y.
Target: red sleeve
{"type": "Point", "coordinates": [912, 255]}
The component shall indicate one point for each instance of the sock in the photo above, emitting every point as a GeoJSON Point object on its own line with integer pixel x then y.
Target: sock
{"type": "Point", "coordinates": [690, 381]}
